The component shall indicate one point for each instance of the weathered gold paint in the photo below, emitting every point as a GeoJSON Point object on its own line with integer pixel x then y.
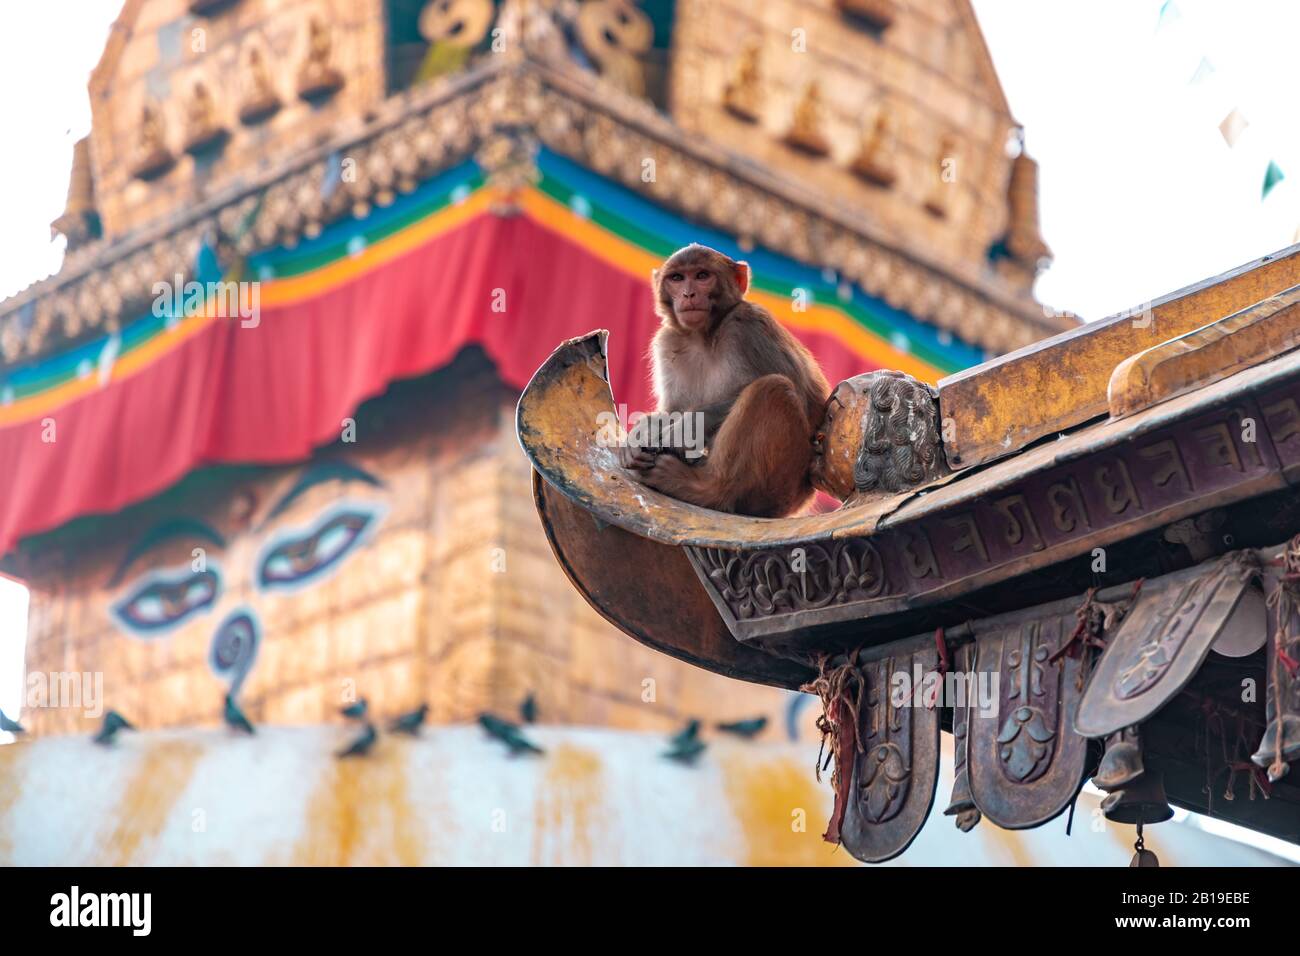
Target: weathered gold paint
{"type": "Point", "coordinates": [566, 820]}
{"type": "Point", "coordinates": [11, 787]}
{"type": "Point", "coordinates": [996, 408]}
{"type": "Point", "coordinates": [763, 797]}
{"type": "Point", "coordinates": [1208, 354]}
{"type": "Point", "coordinates": [361, 815]}
{"type": "Point", "coordinates": [162, 773]}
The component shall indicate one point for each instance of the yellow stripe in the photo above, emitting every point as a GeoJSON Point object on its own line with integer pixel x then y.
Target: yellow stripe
{"type": "Point", "coordinates": [135, 361]}
{"type": "Point", "coordinates": [297, 289]}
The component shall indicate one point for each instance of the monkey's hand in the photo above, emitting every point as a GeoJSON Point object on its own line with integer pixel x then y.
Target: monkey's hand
{"type": "Point", "coordinates": [635, 458]}
{"type": "Point", "coordinates": [667, 473]}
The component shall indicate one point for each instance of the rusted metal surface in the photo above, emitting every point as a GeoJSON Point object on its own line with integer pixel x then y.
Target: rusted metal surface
{"type": "Point", "coordinates": [896, 770]}
{"type": "Point", "coordinates": [1104, 484]}
{"type": "Point", "coordinates": [962, 805]}
{"type": "Point", "coordinates": [1212, 352]}
{"type": "Point", "coordinates": [649, 592]}
{"type": "Point", "coordinates": [563, 416]}
{"type": "Point", "coordinates": [779, 582]}
{"type": "Point", "coordinates": [1280, 745]}
{"type": "Point", "coordinates": [1162, 641]}
{"type": "Point", "coordinates": [1024, 759]}
{"type": "Point", "coordinates": [993, 410]}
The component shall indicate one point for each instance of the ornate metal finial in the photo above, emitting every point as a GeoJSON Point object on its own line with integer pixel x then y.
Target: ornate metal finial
{"type": "Point", "coordinates": [880, 436]}
{"type": "Point", "coordinates": [79, 222]}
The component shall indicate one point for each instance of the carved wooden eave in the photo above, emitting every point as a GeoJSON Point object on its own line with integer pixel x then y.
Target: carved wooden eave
{"type": "Point", "coordinates": [1187, 502]}
{"type": "Point", "coordinates": [912, 554]}
{"type": "Point", "coordinates": [413, 135]}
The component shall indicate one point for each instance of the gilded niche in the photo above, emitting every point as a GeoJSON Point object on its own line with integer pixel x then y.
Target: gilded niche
{"type": "Point", "coordinates": [317, 78]}
{"type": "Point", "coordinates": [742, 97]}
{"type": "Point", "coordinates": [807, 129]}
{"type": "Point", "coordinates": [877, 159]}
{"type": "Point", "coordinates": [203, 130]}
{"type": "Point", "coordinates": [153, 158]}
{"type": "Point", "coordinates": [260, 100]}
{"type": "Point", "coordinates": [880, 436]}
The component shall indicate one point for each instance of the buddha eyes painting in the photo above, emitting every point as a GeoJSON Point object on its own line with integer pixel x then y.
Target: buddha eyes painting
{"type": "Point", "coordinates": [300, 559]}
{"type": "Point", "coordinates": [300, 539]}
{"type": "Point", "coordinates": [163, 600]}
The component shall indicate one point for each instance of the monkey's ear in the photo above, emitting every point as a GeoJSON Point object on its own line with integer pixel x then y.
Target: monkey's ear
{"type": "Point", "coordinates": [654, 279]}
{"type": "Point", "coordinates": [742, 277]}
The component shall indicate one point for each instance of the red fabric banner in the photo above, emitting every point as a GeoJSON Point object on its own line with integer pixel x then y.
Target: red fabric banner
{"type": "Point", "coordinates": [275, 392]}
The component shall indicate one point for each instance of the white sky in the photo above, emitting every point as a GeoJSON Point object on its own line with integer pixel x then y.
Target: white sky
{"type": "Point", "coordinates": [1140, 195]}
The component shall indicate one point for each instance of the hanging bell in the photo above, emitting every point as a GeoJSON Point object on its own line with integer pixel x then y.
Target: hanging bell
{"type": "Point", "coordinates": [1143, 857]}
{"type": "Point", "coordinates": [1140, 801]}
{"type": "Point", "coordinates": [1122, 762]}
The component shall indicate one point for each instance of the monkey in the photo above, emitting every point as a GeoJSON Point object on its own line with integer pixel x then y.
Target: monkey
{"type": "Point", "coordinates": [756, 389]}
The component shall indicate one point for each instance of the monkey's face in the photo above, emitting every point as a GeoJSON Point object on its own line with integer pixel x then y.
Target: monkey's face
{"type": "Point", "coordinates": [693, 290]}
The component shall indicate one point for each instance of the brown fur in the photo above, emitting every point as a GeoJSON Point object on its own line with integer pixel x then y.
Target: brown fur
{"type": "Point", "coordinates": [761, 390]}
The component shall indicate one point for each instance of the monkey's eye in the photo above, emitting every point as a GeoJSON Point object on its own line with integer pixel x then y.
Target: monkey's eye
{"type": "Point", "coordinates": [676, 277]}
{"type": "Point", "coordinates": [701, 275]}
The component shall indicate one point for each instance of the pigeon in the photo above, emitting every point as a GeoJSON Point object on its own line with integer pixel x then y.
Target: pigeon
{"type": "Point", "coordinates": [410, 723]}
{"type": "Point", "coordinates": [10, 725]}
{"type": "Point", "coordinates": [234, 717]}
{"type": "Point", "coordinates": [745, 728]}
{"type": "Point", "coordinates": [509, 734]}
{"type": "Point", "coordinates": [355, 711]}
{"type": "Point", "coordinates": [686, 735]}
{"type": "Point", "coordinates": [685, 751]}
{"type": "Point", "coordinates": [113, 722]}
{"type": "Point", "coordinates": [361, 746]}
{"type": "Point", "coordinates": [528, 709]}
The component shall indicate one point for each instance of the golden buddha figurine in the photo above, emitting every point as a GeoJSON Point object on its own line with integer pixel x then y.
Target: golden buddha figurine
{"type": "Point", "coordinates": [877, 159]}
{"type": "Point", "coordinates": [153, 158]}
{"type": "Point", "coordinates": [203, 131]}
{"type": "Point", "coordinates": [260, 100]}
{"type": "Point", "coordinates": [806, 129]}
{"type": "Point", "coordinates": [742, 97]}
{"type": "Point", "coordinates": [317, 78]}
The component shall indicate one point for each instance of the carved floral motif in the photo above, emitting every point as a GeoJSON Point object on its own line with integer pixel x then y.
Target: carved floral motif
{"type": "Point", "coordinates": [761, 583]}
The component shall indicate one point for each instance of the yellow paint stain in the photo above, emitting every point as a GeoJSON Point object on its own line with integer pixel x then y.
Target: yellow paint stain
{"type": "Point", "coordinates": [361, 815]}
{"type": "Point", "coordinates": [160, 777]}
{"type": "Point", "coordinates": [1011, 841]}
{"type": "Point", "coordinates": [565, 814]}
{"type": "Point", "coordinates": [11, 785]}
{"type": "Point", "coordinates": [766, 799]}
